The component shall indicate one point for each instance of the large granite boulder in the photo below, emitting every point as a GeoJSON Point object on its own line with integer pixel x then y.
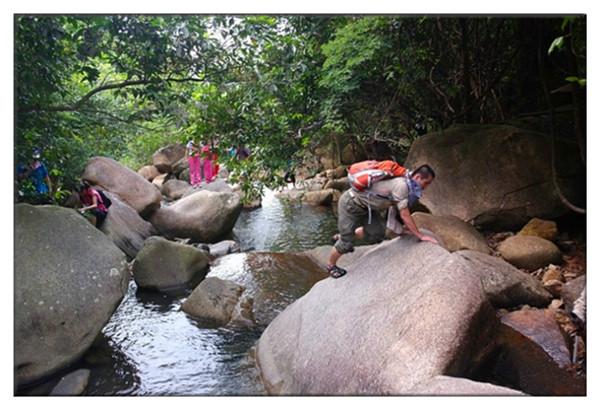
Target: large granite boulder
{"type": "Point", "coordinates": [456, 386]}
{"type": "Point", "coordinates": [69, 279]}
{"type": "Point", "coordinates": [148, 172]}
{"type": "Point", "coordinates": [320, 255]}
{"type": "Point", "coordinates": [497, 175]}
{"type": "Point", "coordinates": [455, 233]}
{"type": "Point", "coordinates": [124, 226]}
{"type": "Point", "coordinates": [164, 158]}
{"type": "Point", "coordinates": [406, 311]}
{"type": "Point", "coordinates": [529, 252]}
{"type": "Point", "coordinates": [174, 189]}
{"type": "Point", "coordinates": [505, 285]}
{"type": "Point", "coordinates": [203, 217]}
{"type": "Point", "coordinates": [165, 265]}
{"type": "Point", "coordinates": [131, 187]}
{"type": "Point", "coordinates": [214, 300]}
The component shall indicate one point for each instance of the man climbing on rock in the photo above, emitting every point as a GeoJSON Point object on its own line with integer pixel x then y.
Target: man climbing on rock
{"type": "Point", "coordinates": [361, 209]}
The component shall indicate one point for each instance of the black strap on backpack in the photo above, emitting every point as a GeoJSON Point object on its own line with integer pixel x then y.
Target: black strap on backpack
{"type": "Point", "coordinates": [105, 200]}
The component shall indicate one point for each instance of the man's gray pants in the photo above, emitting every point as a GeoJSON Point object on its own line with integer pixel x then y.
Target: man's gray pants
{"type": "Point", "coordinates": [350, 216]}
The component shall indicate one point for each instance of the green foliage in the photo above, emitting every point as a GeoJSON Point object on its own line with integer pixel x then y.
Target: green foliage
{"type": "Point", "coordinates": [123, 86]}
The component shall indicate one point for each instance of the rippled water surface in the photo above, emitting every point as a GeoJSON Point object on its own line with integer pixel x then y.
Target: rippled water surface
{"type": "Point", "coordinates": [151, 347]}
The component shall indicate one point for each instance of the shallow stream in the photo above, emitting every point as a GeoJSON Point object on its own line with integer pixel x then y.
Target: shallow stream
{"type": "Point", "coordinates": [151, 347]}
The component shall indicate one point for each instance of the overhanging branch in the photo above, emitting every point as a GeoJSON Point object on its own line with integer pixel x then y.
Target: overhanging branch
{"type": "Point", "coordinates": [76, 106]}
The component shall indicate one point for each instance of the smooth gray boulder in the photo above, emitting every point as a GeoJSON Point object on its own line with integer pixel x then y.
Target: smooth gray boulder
{"type": "Point", "coordinates": [164, 265]}
{"type": "Point", "coordinates": [203, 217]}
{"type": "Point", "coordinates": [131, 187]}
{"type": "Point", "coordinates": [164, 158]}
{"type": "Point", "coordinates": [69, 279]}
{"type": "Point", "coordinates": [455, 233]}
{"type": "Point", "coordinates": [505, 285]}
{"type": "Point", "coordinates": [497, 176]}
{"type": "Point", "coordinates": [214, 300]}
{"type": "Point", "coordinates": [405, 312]}
{"type": "Point", "coordinates": [223, 248]}
{"type": "Point", "coordinates": [73, 384]}
{"type": "Point", "coordinates": [218, 185]}
{"type": "Point", "coordinates": [125, 227]}
{"type": "Point", "coordinates": [529, 252]}
{"type": "Point", "coordinates": [456, 386]}
{"type": "Point", "coordinates": [174, 189]}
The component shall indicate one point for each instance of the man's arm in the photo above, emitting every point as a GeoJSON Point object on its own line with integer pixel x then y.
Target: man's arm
{"type": "Point", "coordinates": [412, 227]}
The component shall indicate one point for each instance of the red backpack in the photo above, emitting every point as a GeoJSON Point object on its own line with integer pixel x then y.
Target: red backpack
{"type": "Point", "coordinates": [362, 175]}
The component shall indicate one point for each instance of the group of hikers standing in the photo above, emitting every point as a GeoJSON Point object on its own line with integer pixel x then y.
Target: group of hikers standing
{"type": "Point", "coordinates": [202, 161]}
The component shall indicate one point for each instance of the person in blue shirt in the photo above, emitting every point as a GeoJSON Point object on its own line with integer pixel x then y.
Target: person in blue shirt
{"type": "Point", "coordinates": [37, 173]}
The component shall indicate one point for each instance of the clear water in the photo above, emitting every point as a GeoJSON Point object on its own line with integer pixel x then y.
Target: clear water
{"type": "Point", "coordinates": [151, 347]}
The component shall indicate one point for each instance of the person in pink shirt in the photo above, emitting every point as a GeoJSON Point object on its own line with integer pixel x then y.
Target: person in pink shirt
{"type": "Point", "coordinates": [92, 201]}
{"type": "Point", "coordinates": [207, 163]}
{"type": "Point", "coordinates": [193, 157]}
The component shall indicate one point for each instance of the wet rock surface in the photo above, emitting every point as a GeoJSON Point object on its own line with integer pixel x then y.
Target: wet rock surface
{"type": "Point", "coordinates": [164, 265]}
{"type": "Point", "coordinates": [533, 354]}
{"type": "Point", "coordinates": [72, 384]}
{"type": "Point", "coordinates": [214, 300]}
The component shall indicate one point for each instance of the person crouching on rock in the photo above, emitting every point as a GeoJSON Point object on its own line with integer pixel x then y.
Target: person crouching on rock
{"type": "Point", "coordinates": [92, 202]}
{"type": "Point", "coordinates": [361, 209]}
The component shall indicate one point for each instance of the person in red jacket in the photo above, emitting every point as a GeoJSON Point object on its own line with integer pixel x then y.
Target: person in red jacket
{"type": "Point", "coordinates": [92, 202]}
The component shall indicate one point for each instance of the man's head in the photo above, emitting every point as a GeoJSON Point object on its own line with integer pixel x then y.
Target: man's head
{"type": "Point", "coordinates": [423, 175]}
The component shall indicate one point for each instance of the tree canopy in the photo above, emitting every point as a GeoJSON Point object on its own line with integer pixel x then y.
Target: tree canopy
{"type": "Point", "coordinates": [124, 85]}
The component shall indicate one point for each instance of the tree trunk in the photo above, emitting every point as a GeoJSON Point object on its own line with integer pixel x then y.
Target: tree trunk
{"type": "Point", "coordinates": [466, 73]}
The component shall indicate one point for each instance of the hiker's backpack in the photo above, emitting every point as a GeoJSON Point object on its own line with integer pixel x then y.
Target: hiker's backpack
{"type": "Point", "coordinates": [362, 175]}
{"type": "Point", "coordinates": [105, 200]}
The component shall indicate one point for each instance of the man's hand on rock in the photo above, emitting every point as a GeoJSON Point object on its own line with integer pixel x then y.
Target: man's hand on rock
{"type": "Point", "coordinates": [426, 238]}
